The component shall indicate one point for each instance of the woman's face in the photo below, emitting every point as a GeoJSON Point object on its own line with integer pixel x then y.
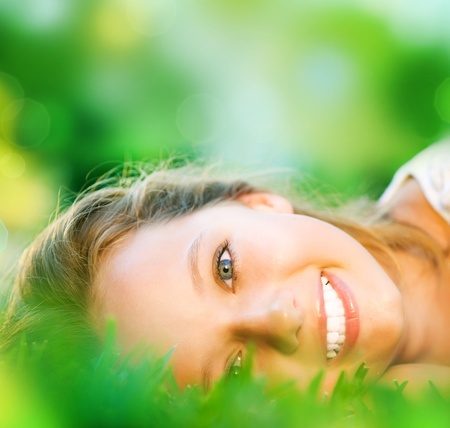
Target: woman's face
{"type": "Point", "coordinates": [306, 295]}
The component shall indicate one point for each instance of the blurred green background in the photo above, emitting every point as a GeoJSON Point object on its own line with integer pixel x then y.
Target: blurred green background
{"type": "Point", "coordinates": [344, 90]}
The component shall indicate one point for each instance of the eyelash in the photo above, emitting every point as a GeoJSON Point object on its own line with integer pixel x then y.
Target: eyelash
{"type": "Point", "coordinates": [226, 246]}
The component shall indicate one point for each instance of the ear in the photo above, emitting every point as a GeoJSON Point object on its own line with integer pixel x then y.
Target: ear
{"type": "Point", "coordinates": [267, 202]}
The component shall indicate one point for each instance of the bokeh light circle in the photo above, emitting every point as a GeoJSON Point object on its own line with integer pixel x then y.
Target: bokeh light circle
{"type": "Point", "coordinates": [442, 100]}
{"type": "Point", "coordinates": [200, 118]}
{"type": "Point", "coordinates": [3, 236]}
{"type": "Point", "coordinates": [28, 122]}
{"type": "Point", "coordinates": [10, 89]}
{"type": "Point", "coordinates": [12, 165]}
{"type": "Point", "coordinates": [151, 17]}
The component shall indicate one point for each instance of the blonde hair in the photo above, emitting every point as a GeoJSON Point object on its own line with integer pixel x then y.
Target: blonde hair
{"type": "Point", "coordinates": [57, 272]}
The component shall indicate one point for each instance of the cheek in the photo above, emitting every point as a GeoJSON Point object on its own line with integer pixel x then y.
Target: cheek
{"type": "Point", "coordinates": [142, 316]}
{"type": "Point", "coordinates": [383, 333]}
{"type": "Point", "coordinates": [279, 369]}
{"type": "Point", "coordinates": [309, 241]}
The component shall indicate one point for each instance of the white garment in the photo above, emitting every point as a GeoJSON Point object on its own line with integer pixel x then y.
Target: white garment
{"type": "Point", "coordinates": [431, 169]}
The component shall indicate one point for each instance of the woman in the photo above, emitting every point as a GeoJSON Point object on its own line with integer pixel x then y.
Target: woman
{"type": "Point", "coordinates": [218, 269]}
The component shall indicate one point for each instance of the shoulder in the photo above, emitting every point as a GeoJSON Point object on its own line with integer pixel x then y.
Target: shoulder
{"type": "Point", "coordinates": [417, 378]}
{"type": "Point", "coordinates": [431, 170]}
{"type": "Point", "coordinates": [419, 194]}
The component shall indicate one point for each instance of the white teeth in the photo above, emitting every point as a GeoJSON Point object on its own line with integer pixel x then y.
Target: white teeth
{"type": "Point", "coordinates": [332, 337]}
{"type": "Point", "coordinates": [331, 354]}
{"type": "Point", "coordinates": [334, 310]}
{"type": "Point", "coordinates": [328, 295]}
{"type": "Point", "coordinates": [333, 323]}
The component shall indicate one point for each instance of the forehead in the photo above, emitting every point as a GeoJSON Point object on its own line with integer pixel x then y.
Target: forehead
{"type": "Point", "coordinates": [149, 263]}
{"type": "Point", "coordinates": [152, 244]}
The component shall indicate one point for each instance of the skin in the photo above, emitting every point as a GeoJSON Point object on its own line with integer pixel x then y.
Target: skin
{"type": "Point", "coordinates": [150, 286]}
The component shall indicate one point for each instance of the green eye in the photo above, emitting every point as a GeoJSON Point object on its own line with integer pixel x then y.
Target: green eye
{"type": "Point", "coordinates": [225, 268]}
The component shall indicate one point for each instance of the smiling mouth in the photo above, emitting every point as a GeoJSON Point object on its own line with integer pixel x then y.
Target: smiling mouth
{"type": "Point", "coordinates": [335, 319]}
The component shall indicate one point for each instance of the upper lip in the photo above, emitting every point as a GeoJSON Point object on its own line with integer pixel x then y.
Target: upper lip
{"type": "Point", "coordinates": [322, 316]}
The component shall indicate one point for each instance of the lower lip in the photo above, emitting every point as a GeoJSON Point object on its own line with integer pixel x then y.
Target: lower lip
{"type": "Point", "coordinates": [350, 308]}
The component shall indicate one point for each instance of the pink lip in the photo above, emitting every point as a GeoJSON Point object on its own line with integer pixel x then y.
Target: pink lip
{"type": "Point", "coordinates": [350, 308]}
{"type": "Point", "coordinates": [322, 316]}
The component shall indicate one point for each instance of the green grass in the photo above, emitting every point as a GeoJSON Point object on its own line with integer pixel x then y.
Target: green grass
{"type": "Point", "coordinates": [42, 386]}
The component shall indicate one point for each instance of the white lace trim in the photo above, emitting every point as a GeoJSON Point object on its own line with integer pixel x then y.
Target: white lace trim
{"type": "Point", "coordinates": [431, 169]}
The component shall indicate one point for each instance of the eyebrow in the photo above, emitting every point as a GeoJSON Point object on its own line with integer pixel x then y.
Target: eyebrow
{"type": "Point", "coordinates": [193, 255]}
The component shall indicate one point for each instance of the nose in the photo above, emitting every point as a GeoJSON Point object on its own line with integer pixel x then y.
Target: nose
{"type": "Point", "coordinates": [274, 319]}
